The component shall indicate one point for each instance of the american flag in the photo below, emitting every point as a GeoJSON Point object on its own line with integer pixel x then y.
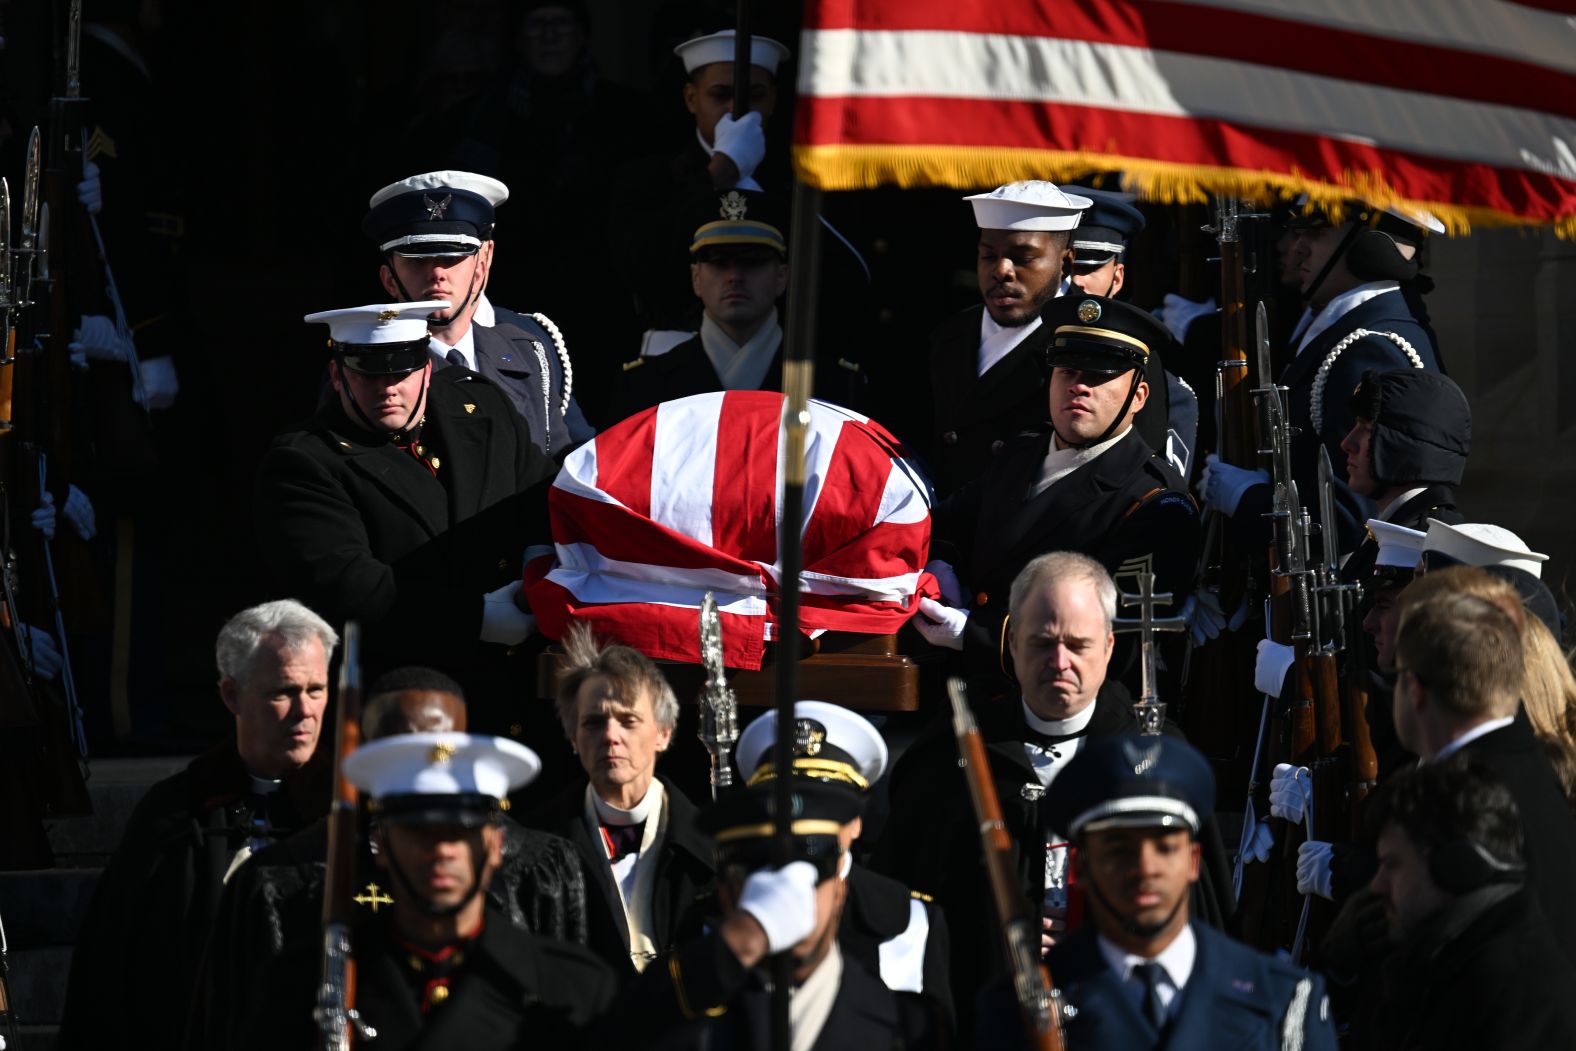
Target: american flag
{"type": "Point", "coordinates": [684, 499]}
{"type": "Point", "coordinates": [1464, 107]}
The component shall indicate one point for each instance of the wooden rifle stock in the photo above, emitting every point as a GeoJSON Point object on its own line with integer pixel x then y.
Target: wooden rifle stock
{"type": "Point", "coordinates": [336, 1005]}
{"type": "Point", "coordinates": [1362, 760]}
{"type": "Point", "coordinates": [1038, 1000]}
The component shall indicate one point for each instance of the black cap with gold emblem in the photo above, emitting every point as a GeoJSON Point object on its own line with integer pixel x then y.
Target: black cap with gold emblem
{"type": "Point", "coordinates": [1100, 335]}
{"type": "Point", "coordinates": [743, 828]}
{"type": "Point", "coordinates": [736, 219]}
{"type": "Point", "coordinates": [831, 744]}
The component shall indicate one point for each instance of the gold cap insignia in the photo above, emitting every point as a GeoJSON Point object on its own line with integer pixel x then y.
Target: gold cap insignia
{"type": "Point", "coordinates": [734, 205]}
{"type": "Point", "coordinates": [470, 407]}
{"type": "Point", "coordinates": [809, 735]}
{"type": "Point", "coordinates": [1088, 311]}
{"type": "Point", "coordinates": [440, 753]}
{"type": "Point", "coordinates": [387, 315]}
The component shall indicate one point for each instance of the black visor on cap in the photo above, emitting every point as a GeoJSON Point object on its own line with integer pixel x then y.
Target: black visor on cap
{"type": "Point", "coordinates": [384, 359]}
{"type": "Point", "coordinates": [464, 809]}
{"type": "Point", "coordinates": [752, 855]}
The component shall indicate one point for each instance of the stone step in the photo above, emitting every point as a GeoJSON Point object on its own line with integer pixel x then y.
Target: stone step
{"type": "Point", "coordinates": [45, 907]}
{"type": "Point", "coordinates": [115, 787]}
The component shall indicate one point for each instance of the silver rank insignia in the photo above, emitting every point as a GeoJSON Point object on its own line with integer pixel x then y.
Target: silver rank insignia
{"type": "Point", "coordinates": [436, 207]}
{"type": "Point", "coordinates": [734, 205]}
{"type": "Point", "coordinates": [1142, 758]}
{"type": "Point", "coordinates": [808, 737]}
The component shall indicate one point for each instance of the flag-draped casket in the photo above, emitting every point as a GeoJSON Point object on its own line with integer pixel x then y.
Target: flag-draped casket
{"type": "Point", "coordinates": [685, 498]}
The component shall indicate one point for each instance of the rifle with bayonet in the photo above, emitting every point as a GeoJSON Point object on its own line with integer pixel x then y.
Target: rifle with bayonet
{"type": "Point", "coordinates": [719, 708]}
{"type": "Point", "coordinates": [1039, 1001]}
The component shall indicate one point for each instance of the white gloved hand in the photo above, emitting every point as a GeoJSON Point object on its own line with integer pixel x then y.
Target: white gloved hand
{"type": "Point", "coordinates": [1207, 620]}
{"type": "Point", "coordinates": [1177, 313]}
{"type": "Point", "coordinates": [1313, 869]}
{"type": "Point", "coordinates": [43, 517]}
{"type": "Point", "coordinates": [1269, 670]}
{"type": "Point", "coordinates": [1289, 792]}
{"type": "Point", "coordinates": [47, 661]}
{"type": "Point", "coordinates": [947, 580]}
{"type": "Point", "coordinates": [504, 622]}
{"type": "Point", "coordinates": [1257, 841]}
{"type": "Point", "coordinates": [941, 625]}
{"type": "Point", "coordinates": [743, 141]}
{"type": "Point", "coordinates": [97, 339]}
{"type": "Point", "coordinates": [782, 902]}
{"type": "Point", "coordinates": [160, 385]}
{"type": "Point", "coordinates": [1222, 485]}
{"type": "Point", "coordinates": [90, 191]}
{"type": "Point", "coordinates": [79, 512]}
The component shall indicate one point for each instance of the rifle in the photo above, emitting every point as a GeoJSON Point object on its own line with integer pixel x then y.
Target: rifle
{"type": "Point", "coordinates": [10, 1034]}
{"type": "Point", "coordinates": [1038, 999]}
{"type": "Point", "coordinates": [338, 1023]}
{"type": "Point", "coordinates": [1150, 711]}
{"type": "Point", "coordinates": [719, 708]}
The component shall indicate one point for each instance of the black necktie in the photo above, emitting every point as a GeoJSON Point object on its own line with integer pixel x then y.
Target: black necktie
{"type": "Point", "coordinates": [454, 357]}
{"type": "Point", "coordinates": [1150, 974]}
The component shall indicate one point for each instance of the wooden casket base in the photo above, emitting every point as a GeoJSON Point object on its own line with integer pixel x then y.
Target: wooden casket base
{"type": "Point", "coordinates": [862, 672]}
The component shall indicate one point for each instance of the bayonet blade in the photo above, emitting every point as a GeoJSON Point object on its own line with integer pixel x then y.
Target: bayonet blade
{"type": "Point", "coordinates": [1261, 342]}
{"type": "Point", "coordinates": [30, 193]}
{"type": "Point", "coordinates": [1327, 531]}
{"type": "Point", "coordinates": [74, 50]}
{"type": "Point", "coordinates": [6, 300]}
{"type": "Point", "coordinates": [43, 243]}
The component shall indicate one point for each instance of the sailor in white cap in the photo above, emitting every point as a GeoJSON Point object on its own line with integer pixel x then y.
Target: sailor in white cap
{"type": "Point", "coordinates": [434, 233]}
{"type": "Point", "coordinates": [896, 933]}
{"type": "Point", "coordinates": [986, 374]}
{"type": "Point", "coordinates": [406, 502]}
{"type": "Point", "coordinates": [441, 964]}
{"type": "Point", "coordinates": [735, 147]}
{"type": "Point", "coordinates": [1501, 553]}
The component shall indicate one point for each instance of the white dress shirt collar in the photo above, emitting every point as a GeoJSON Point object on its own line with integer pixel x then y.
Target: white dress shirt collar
{"type": "Point", "coordinates": [1342, 304]}
{"type": "Point", "coordinates": [1480, 730]}
{"type": "Point", "coordinates": [1176, 960]}
{"type": "Point", "coordinates": [466, 346]}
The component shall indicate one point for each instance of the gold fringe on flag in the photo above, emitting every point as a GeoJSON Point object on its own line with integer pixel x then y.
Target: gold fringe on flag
{"type": "Point", "coordinates": [973, 167]}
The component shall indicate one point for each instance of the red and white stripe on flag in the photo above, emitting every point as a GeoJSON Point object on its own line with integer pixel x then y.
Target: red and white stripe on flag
{"type": "Point", "coordinates": [684, 499]}
{"type": "Point", "coordinates": [1464, 107]}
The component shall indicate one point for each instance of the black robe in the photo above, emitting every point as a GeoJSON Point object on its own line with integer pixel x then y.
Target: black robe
{"type": "Point", "coordinates": [135, 963]}
{"type": "Point", "coordinates": [932, 841]}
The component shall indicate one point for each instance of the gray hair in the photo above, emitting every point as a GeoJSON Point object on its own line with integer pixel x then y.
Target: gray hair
{"type": "Point", "coordinates": [1054, 567]}
{"type": "Point", "coordinates": [287, 620]}
{"type": "Point", "coordinates": [630, 670]}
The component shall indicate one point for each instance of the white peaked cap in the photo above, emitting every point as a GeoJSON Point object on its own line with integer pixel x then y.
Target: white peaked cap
{"type": "Point", "coordinates": [1399, 547]}
{"type": "Point", "coordinates": [844, 733]}
{"type": "Point", "coordinates": [718, 47]}
{"type": "Point", "coordinates": [483, 186]}
{"type": "Point", "coordinates": [441, 764]}
{"type": "Point", "coordinates": [1032, 205]}
{"type": "Point", "coordinates": [379, 323]}
{"type": "Point", "coordinates": [1481, 544]}
{"type": "Point", "coordinates": [1423, 220]}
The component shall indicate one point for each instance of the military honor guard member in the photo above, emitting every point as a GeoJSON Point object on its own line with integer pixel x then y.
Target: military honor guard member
{"type": "Point", "coordinates": [135, 964]}
{"type": "Point", "coordinates": [407, 502]}
{"type": "Point", "coordinates": [644, 856]}
{"type": "Point", "coordinates": [896, 933]}
{"type": "Point", "coordinates": [1091, 483]}
{"type": "Point", "coordinates": [435, 234]}
{"type": "Point", "coordinates": [441, 966]}
{"type": "Point", "coordinates": [1499, 552]}
{"type": "Point", "coordinates": [1142, 972]}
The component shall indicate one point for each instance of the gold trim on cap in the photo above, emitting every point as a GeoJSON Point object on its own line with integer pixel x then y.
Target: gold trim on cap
{"type": "Point", "coordinates": [1085, 330]}
{"type": "Point", "coordinates": [802, 827]}
{"type": "Point", "coordinates": [825, 769]}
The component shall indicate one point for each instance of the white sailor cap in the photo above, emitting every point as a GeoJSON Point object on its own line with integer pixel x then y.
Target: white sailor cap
{"type": "Point", "coordinates": [438, 774]}
{"type": "Point", "coordinates": [718, 47]}
{"type": "Point", "coordinates": [1481, 544]}
{"type": "Point", "coordinates": [1399, 547]}
{"type": "Point", "coordinates": [378, 324]}
{"type": "Point", "coordinates": [1031, 205]}
{"type": "Point", "coordinates": [831, 743]}
{"type": "Point", "coordinates": [442, 213]}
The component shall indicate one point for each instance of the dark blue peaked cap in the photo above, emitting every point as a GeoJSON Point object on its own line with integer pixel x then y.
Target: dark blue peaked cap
{"type": "Point", "coordinates": [1131, 782]}
{"type": "Point", "coordinates": [439, 213]}
{"type": "Point", "coordinates": [1108, 226]}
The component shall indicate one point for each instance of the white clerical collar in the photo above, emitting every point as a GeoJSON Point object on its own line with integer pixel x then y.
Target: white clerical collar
{"type": "Point", "coordinates": [1176, 959]}
{"type": "Point", "coordinates": [1347, 301]}
{"type": "Point", "coordinates": [616, 815]}
{"type": "Point", "coordinates": [1480, 730]}
{"type": "Point", "coordinates": [1059, 463]}
{"type": "Point", "coordinates": [466, 346]}
{"type": "Point", "coordinates": [1398, 503]}
{"type": "Point", "coordinates": [997, 341]}
{"type": "Point", "coordinates": [1073, 724]}
{"type": "Point", "coordinates": [741, 367]}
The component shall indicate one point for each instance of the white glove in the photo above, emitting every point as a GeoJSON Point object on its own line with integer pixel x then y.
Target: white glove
{"type": "Point", "coordinates": [1257, 841]}
{"type": "Point", "coordinates": [79, 512]}
{"type": "Point", "coordinates": [90, 191]}
{"type": "Point", "coordinates": [97, 339]}
{"type": "Point", "coordinates": [159, 383]}
{"type": "Point", "coordinates": [1206, 619]}
{"type": "Point", "coordinates": [1274, 661]}
{"type": "Point", "coordinates": [1222, 485]}
{"type": "Point", "coordinates": [502, 621]}
{"type": "Point", "coordinates": [46, 655]}
{"type": "Point", "coordinates": [947, 580]}
{"type": "Point", "coordinates": [1313, 869]}
{"type": "Point", "coordinates": [941, 625]}
{"type": "Point", "coordinates": [1177, 313]}
{"type": "Point", "coordinates": [1289, 791]}
{"type": "Point", "coordinates": [43, 517]}
{"type": "Point", "coordinates": [782, 902]}
{"type": "Point", "coordinates": [743, 141]}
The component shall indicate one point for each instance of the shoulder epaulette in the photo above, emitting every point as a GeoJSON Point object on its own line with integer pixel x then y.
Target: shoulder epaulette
{"type": "Point", "coordinates": [919, 895]}
{"type": "Point", "coordinates": [635, 364]}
